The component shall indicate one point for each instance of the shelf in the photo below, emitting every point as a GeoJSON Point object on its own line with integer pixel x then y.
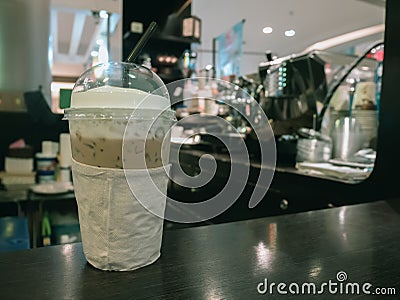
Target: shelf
{"type": "Point", "coordinates": [159, 37]}
{"type": "Point", "coordinates": [178, 39]}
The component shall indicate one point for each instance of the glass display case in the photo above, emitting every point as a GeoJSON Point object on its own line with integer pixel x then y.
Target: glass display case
{"type": "Point", "coordinates": [327, 100]}
{"type": "Point", "coordinates": [350, 117]}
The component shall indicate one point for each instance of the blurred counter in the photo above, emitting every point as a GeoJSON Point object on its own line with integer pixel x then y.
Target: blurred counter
{"type": "Point", "coordinates": [21, 201]}
{"type": "Point", "coordinates": [290, 191]}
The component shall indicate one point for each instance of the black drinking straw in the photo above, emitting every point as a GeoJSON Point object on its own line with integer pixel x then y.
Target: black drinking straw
{"type": "Point", "coordinates": [142, 42]}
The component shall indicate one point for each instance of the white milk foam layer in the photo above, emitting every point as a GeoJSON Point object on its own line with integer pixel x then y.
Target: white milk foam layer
{"type": "Point", "coordinates": [117, 97]}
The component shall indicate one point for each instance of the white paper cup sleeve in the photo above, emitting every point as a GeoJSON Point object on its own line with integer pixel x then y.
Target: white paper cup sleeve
{"type": "Point", "coordinates": [118, 233]}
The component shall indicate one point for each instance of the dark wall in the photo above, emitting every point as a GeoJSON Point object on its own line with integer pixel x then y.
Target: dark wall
{"type": "Point", "coordinates": [151, 10]}
{"type": "Point", "coordinates": [167, 39]}
{"type": "Point", "coordinates": [387, 165]}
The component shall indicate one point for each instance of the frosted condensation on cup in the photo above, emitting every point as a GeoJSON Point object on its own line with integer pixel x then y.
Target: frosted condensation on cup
{"type": "Point", "coordinates": [97, 130]}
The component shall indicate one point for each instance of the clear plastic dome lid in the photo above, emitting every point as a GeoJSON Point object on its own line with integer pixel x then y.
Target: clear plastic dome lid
{"type": "Point", "coordinates": [120, 85]}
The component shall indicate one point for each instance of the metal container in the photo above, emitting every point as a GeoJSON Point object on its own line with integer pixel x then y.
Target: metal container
{"type": "Point", "coordinates": [313, 146]}
{"type": "Point", "coordinates": [347, 137]}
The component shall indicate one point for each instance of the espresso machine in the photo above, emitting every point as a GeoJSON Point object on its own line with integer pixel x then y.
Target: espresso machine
{"type": "Point", "coordinates": [292, 87]}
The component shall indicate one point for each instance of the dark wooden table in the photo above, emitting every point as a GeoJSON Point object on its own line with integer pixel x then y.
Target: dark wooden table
{"type": "Point", "coordinates": [227, 261]}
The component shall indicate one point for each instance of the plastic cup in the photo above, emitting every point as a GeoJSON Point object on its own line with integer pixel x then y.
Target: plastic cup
{"type": "Point", "coordinates": [119, 120]}
{"type": "Point", "coordinates": [104, 101]}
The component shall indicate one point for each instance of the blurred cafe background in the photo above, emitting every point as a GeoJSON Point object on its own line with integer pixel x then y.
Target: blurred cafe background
{"type": "Point", "coordinates": [315, 68]}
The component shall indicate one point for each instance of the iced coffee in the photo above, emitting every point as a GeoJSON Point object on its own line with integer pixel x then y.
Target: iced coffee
{"type": "Point", "coordinates": [97, 135]}
{"type": "Point", "coordinates": [119, 121]}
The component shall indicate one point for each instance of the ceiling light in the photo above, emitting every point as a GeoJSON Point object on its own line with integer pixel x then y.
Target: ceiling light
{"type": "Point", "coordinates": [267, 30]}
{"type": "Point", "coordinates": [103, 14]}
{"type": "Point", "coordinates": [290, 32]}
